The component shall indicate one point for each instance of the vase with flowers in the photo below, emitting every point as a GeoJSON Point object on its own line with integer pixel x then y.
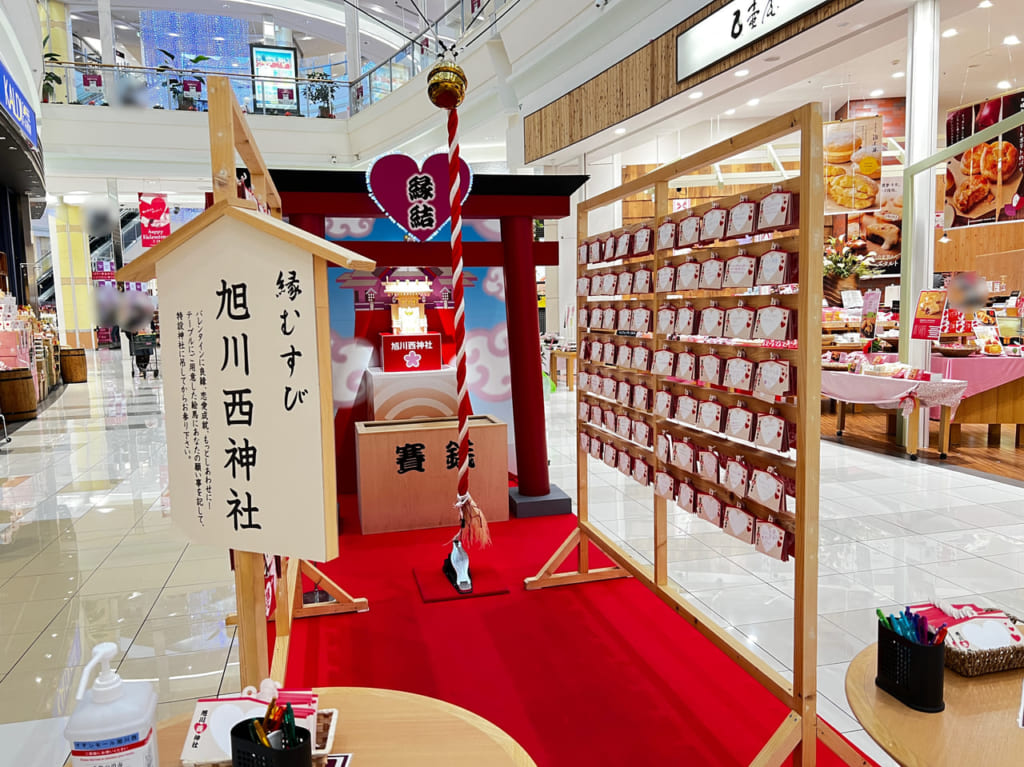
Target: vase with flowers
{"type": "Point", "coordinates": [844, 263]}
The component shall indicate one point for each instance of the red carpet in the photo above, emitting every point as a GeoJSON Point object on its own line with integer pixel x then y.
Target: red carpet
{"type": "Point", "coordinates": [591, 675]}
{"type": "Point", "coordinates": [434, 585]}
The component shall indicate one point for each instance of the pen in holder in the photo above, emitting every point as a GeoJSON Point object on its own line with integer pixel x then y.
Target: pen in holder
{"type": "Point", "coordinates": [246, 752]}
{"type": "Point", "coordinates": [912, 673]}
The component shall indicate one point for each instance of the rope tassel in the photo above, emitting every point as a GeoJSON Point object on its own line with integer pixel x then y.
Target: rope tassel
{"type": "Point", "coordinates": [473, 529]}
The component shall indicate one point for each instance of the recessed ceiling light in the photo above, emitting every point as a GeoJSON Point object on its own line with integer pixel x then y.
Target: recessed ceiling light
{"type": "Point", "coordinates": [1004, 85]}
{"type": "Point", "coordinates": [219, 39]}
{"type": "Point", "coordinates": [730, 111]}
{"type": "Point", "coordinates": [173, 34]}
{"type": "Point", "coordinates": [306, 37]}
{"type": "Point", "coordinates": [898, 75]}
{"type": "Point", "coordinates": [123, 26]}
{"type": "Point", "coordinates": [951, 32]}
{"type": "Point", "coordinates": [985, 4]}
{"type": "Point", "coordinates": [877, 92]}
{"type": "Point", "coordinates": [753, 102]}
{"type": "Point", "coordinates": [74, 17]}
{"type": "Point", "coordinates": [773, 59]}
{"type": "Point", "coordinates": [620, 131]}
{"type": "Point", "coordinates": [696, 95]}
{"type": "Point", "coordinates": [742, 72]}
{"type": "Point", "coordinates": [1011, 40]}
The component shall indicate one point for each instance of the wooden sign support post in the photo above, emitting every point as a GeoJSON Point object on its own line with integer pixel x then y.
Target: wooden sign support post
{"type": "Point", "coordinates": [796, 735]}
{"type": "Point", "coordinates": [271, 264]}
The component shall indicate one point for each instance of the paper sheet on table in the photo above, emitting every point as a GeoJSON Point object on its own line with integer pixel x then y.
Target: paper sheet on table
{"type": "Point", "coordinates": [208, 739]}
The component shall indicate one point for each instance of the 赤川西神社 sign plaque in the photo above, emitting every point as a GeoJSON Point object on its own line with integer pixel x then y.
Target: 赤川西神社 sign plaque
{"type": "Point", "coordinates": [243, 393]}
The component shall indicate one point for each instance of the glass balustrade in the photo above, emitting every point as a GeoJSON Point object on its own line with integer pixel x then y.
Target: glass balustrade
{"type": "Point", "coordinates": [184, 89]}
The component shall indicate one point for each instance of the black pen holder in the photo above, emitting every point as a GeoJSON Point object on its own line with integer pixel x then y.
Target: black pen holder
{"type": "Point", "coordinates": [245, 752]}
{"type": "Point", "coordinates": [912, 673]}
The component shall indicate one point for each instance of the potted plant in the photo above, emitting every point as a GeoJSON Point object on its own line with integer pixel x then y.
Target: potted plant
{"type": "Point", "coordinates": [176, 77]}
{"type": "Point", "coordinates": [50, 79]}
{"type": "Point", "coordinates": [320, 90]}
{"type": "Point", "coordinates": [844, 263]}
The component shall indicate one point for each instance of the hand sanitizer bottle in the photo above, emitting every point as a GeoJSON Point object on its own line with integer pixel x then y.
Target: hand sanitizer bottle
{"type": "Point", "coordinates": [112, 726]}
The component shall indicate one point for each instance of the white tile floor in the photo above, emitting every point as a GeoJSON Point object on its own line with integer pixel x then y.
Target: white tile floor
{"type": "Point", "coordinates": [892, 532]}
{"type": "Point", "coordinates": [88, 554]}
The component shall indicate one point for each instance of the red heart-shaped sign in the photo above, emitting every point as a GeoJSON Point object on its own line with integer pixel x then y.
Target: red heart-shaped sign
{"type": "Point", "coordinates": [413, 195]}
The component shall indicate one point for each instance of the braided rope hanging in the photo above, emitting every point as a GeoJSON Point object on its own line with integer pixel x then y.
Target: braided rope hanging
{"type": "Point", "coordinates": [446, 88]}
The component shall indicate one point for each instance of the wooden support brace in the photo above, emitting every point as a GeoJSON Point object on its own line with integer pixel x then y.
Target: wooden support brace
{"type": "Point", "coordinates": [840, 746]}
{"type": "Point", "coordinates": [548, 575]}
{"type": "Point", "coordinates": [344, 602]}
{"type": "Point", "coordinates": [781, 744]}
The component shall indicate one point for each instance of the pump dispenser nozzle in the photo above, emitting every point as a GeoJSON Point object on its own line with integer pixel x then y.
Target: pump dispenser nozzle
{"type": "Point", "coordinates": [107, 686]}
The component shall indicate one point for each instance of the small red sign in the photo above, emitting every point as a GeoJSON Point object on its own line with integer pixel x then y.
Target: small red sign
{"type": "Point", "coordinates": [928, 317]}
{"type": "Point", "coordinates": [155, 217]}
{"type": "Point", "coordinates": [406, 353]}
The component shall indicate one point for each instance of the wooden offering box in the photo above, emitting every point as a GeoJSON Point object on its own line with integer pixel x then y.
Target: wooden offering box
{"type": "Point", "coordinates": [405, 482]}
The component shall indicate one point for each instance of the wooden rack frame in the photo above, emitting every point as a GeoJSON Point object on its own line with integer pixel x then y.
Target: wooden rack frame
{"type": "Point", "coordinates": [797, 734]}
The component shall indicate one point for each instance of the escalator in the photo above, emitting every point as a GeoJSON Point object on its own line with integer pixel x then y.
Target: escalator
{"type": "Point", "coordinates": [101, 248]}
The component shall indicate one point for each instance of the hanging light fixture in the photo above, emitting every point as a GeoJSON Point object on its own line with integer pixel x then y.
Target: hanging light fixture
{"type": "Point", "coordinates": [944, 239]}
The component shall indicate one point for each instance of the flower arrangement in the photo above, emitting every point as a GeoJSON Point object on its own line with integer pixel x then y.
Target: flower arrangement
{"type": "Point", "coordinates": [842, 259]}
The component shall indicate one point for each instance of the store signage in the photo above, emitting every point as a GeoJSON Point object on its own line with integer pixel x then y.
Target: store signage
{"type": "Point", "coordinates": [869, 313]}
{"type": "Point", "coordinates": [931, 305]}
{"type": "Point", "coordinates": [274, 70]}
{"type": "Point", "coordinates": [732, 28]}
{"type": "Point", "coordinates": [402, 353]}
{"type": "Point", "coordinates": [241, 379]}
{"type": "Point", "coordinates": [155, 218]}
{"type": "Point", "coordinates": [413, 195]}
{"type": "Point", "coordinates": [16, 105]}
{"type": "Point", "coordinates": [104, 270]}
{"type": "Point", "coordinates": [191, 88]}
{"type": "Point", "coordinates": [92, 83]}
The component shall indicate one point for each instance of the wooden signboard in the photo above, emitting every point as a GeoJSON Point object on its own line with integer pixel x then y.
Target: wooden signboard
{"type": "Point", "coordinates": [246, 345]}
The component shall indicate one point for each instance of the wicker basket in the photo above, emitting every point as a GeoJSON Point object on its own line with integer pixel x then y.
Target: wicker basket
{"type": "Point", "coordinates": [978, 662]}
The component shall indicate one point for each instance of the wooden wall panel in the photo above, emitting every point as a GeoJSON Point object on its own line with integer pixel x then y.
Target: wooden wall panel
{"type": "Point", "coordinates": [964, 251]}
{"type": "Point", "coordinates": [643, 79]}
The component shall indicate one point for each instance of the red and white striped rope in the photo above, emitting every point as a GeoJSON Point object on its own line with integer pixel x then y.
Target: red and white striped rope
{"type": "Point", "coordinates": [455, 198]}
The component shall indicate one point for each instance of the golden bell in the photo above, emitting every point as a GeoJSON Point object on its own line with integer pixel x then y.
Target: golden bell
{"type": "Point", "coordinates": [446, 85]}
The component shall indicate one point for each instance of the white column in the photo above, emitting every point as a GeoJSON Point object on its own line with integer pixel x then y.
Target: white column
{"type": "Point", "coordinates": [107, 49]}
{"type": "Point", "coordinates": [922, 130]}
{"type": "Point", "coordinates": [353, 47]}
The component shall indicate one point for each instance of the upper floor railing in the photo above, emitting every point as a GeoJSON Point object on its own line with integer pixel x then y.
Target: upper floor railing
{"type": "Point", "coordinates": [184, 87]}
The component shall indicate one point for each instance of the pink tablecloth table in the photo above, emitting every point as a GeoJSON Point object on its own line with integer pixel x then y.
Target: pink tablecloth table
{"type": "Point", "coordinates": [994, 395]}
{"type": "Point", "coordinates": [895, 394]}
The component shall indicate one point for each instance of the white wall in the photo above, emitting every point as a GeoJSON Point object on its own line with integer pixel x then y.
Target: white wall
{"type": "Point", "coordinates": [21, 46]}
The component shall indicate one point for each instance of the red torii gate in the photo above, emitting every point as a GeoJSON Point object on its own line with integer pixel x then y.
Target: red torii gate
{"type": "Point", "coordinates": [308, 197]}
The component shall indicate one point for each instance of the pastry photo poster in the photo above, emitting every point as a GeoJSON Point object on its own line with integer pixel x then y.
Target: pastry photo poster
{"type": "Point", "coordinates": [853, 165]}
{"type": "Point", "coordinates": [882, 228]}
{"type": "Point", "coordinates": [985, 184]}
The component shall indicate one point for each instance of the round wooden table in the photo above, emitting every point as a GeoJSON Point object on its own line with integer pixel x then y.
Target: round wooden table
{"type": "Point", "coordinates": [388, 728]}
{"type": "Point", "coordinates": [979, 725]}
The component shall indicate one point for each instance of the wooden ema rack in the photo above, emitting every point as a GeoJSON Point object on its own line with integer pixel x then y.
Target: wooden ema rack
{"type": "Point", "coordinates": [797, 734]}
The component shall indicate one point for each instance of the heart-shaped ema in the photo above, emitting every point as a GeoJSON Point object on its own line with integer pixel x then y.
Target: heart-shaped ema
{"type": "Point", "coordinates": [986, 633]}
{"type": "Point", "coordinates": [415, 196]}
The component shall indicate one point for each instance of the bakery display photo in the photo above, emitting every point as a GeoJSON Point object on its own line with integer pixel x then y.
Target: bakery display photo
{"type": "Point", "coordinates": [984, 183]}
{"type": "Point", "coordinates": [853, 164]}
{"type": "Point", "coordinates": [882, 229]}
{"type": "Point", "coordinates": [981, 182]}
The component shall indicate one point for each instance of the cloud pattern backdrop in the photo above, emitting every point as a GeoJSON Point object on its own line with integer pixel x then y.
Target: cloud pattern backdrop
{"type": "Point", "coordinates": [489, 374]}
